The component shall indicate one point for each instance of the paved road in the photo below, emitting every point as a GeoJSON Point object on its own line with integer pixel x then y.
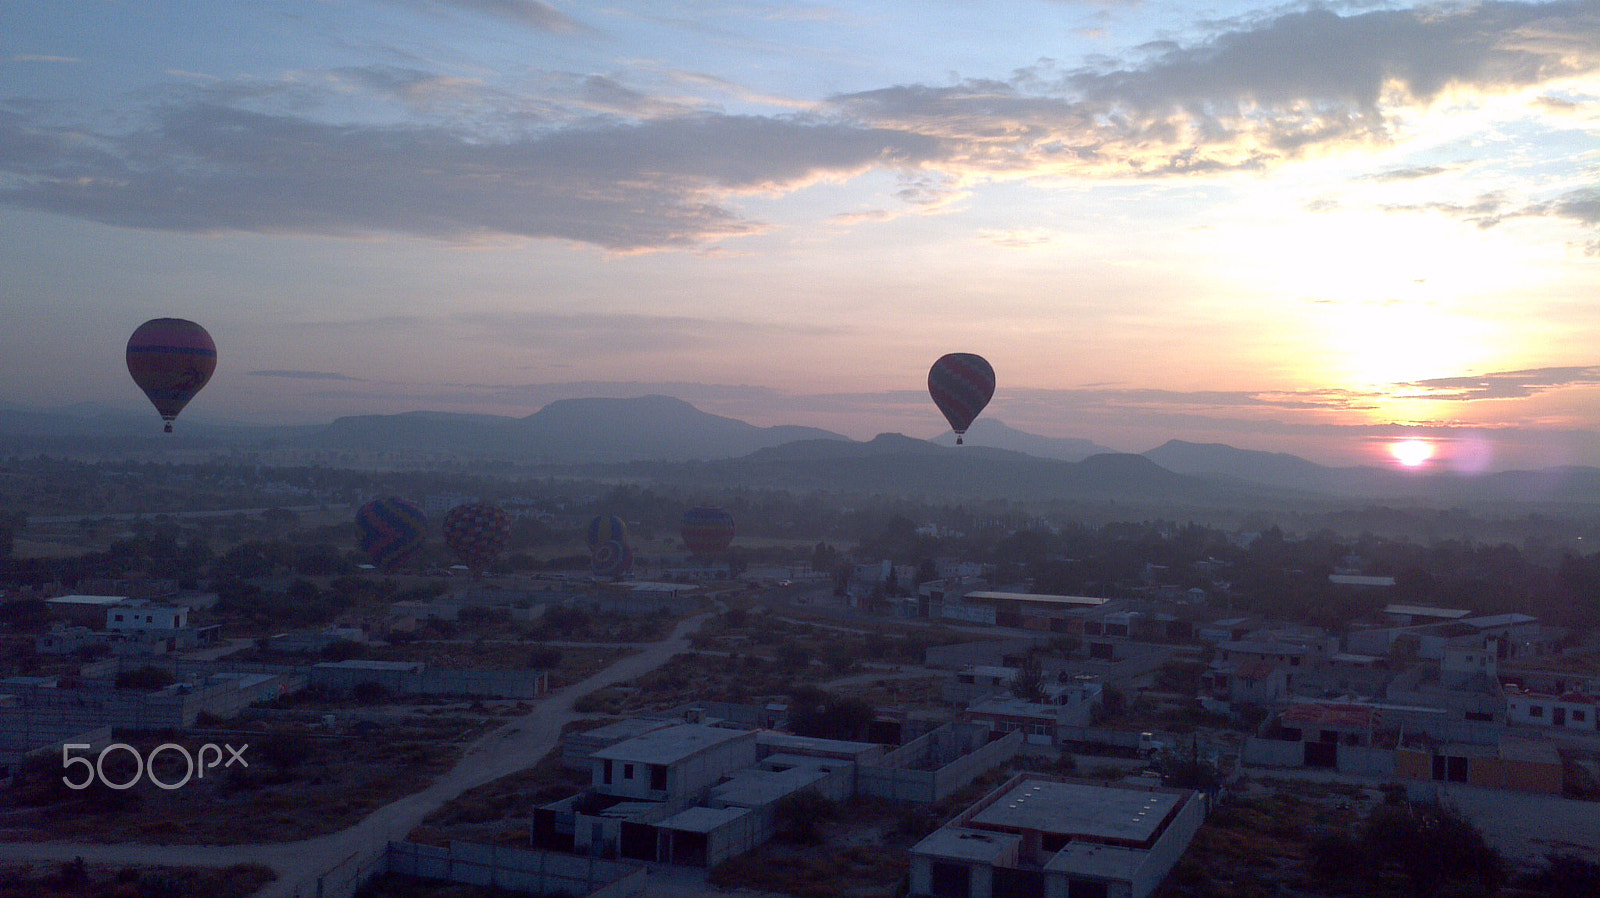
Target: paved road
{"type": "Point", "coordinates": [517, 744]}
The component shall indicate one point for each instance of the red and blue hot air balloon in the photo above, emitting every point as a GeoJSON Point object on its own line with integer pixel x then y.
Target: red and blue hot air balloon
{"type": "Point", "coordinates": [171, 359]}
{"type": "Point", "coordinates": [706, 530]}
{"type": "Point", "coordinates": [392, 530]}
{"type": "Point", "coordinates": [476, 532]}
{"type": "Point", "coordinates": [961, 384]}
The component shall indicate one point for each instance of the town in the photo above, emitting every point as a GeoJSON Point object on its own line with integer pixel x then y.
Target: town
{"type": "Point", "coordinates": [788, 693]}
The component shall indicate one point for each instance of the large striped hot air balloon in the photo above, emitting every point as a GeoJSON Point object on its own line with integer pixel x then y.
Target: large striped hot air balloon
{"type": "Point", "coordinates": [706, 529]}
{"type": "Point", "coordinates": [961, 384]}
{"type": "Point", "coordinates": [171, 359]}
{"type": "Point", "coordinates": [476, 533]}
{"type": "Point", "coordinates": [392, 530]}
{"type": "Point", "coordinates": [612, 558]}
{"type": "Point", "coordinates": [605, 528]}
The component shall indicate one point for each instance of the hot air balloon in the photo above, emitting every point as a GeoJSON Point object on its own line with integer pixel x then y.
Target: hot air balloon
{"type": "Point", "coordinates": [961, 384]}
{"type": "Point", "coordinates": [171, 359]}
{"type": "Point", "coordinates": [605, 528]}
{"type": "Point", "coordinates": [392, 530]}
{"type": "Point", "coordinates": [612, 558]}
{"type": "Point", "coordinates": [476, 533]}
{"type": "Point", "coordinates": [707, 530]}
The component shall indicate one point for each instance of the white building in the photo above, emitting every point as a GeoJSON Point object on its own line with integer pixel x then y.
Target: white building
{"type": "Point", "coordinates": [1571, 710]}
{"type": "Point", "coordinates": [145, 618]}
{"type": "Point", "coordinates": [1039, 836]}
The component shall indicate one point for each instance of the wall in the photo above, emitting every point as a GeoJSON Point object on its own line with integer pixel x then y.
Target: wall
{"type": "Point", "coordinates": [905, 774]}
{"type": "Point", "coordinates": [535, 872]}
{"type": "Point", "coordinates": [1260, 752]}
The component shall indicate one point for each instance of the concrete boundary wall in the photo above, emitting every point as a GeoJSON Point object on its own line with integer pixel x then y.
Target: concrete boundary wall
{"type": "Point", "coordinates": [894, 777]}
{"type": "Point", "coordinates": [428, 681]}
{"type": "Point", "coordinates": [534, 872]}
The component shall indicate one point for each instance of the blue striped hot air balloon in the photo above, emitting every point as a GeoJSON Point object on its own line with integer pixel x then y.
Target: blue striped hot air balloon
{"type": "Point", "coordinates": [961, 384]}
{"type": "Point", "coordinates": [392, 530]}
{"type": "Point", "coordinates": [612, 558]}
{"type": "Point", "coordinates": [605, 528]}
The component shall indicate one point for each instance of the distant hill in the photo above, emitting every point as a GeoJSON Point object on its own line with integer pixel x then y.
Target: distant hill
{"type": "Point", "coordinates": [570, 431]}
{"type": "Point", "coordinates": [998, 435]}
{"type": "Point", "coordinates": [1220, 459]}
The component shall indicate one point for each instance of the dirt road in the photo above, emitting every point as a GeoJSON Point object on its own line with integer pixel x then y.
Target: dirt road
{"type": "Point", "coordinates": [517, 744]}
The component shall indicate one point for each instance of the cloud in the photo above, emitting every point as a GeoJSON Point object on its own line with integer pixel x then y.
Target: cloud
{"type": "Point", "coordinates": [207, 167]}
{"type": "Point", "coordinates": [1503, 384]}
{"type": "Point", "coordinates": [1250, 98]}
{"type": "Point", "coordinates": [1582, 206]}
{"type": "Point", "coordinates": [531, 13]}
{"type": "Point", "coordinates": [1409, 174]}
{"type": "Point", "coordinates": [40, 57]}
{"type": "Point", "coordinates": [303, 375]}
{"type": "Point", "coordinates": [594, 159]}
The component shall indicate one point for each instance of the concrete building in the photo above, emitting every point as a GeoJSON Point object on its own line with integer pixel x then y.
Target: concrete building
{"type": "Point", "coordinates": [1038, 836]}
{"type": "Point", "coordinates": [90, 611]}
{"type": "Point", "coordinates": [143, 618]}
{"type": "Point", "coordinates": [678, 761]}
{"type": "Point", "coordinates": [1570, 710]}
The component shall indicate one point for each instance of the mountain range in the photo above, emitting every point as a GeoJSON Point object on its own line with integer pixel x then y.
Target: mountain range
{"type": "Point", "coordinates": [663, 437]}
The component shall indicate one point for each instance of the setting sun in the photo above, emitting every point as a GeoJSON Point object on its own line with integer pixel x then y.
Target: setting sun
{"type": "Point", "coordinates": [1411, 453]}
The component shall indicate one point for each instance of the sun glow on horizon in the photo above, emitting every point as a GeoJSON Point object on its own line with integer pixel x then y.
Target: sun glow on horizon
{"type": "Point", "coordinates": [1411, 453]}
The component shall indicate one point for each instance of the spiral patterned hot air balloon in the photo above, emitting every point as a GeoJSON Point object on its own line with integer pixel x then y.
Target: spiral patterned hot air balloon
{"type": "Point", "coordinates": [605, 528]}
{"type": "Point", "coordinates": [961, 384]}
{"type": "Point", "coordinates": [170, 359]}
{"type": "Point", "coordinates": [612, 558]}
{"type": "Point", "coordinates": [392, 530]}
{"type": "Point", "coordinates": [476, 533]}
{"type": "Point", "coordinates": [707, 530]}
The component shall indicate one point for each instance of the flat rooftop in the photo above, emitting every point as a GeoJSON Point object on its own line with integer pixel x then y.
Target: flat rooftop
{"type": "Point", "coordinates": [671, 744]}
{"type": "Point", "coordinates": [1076, 809]}
{"type": "Point", "coordinates": [993, 596]}
{"type": "Point", "coordinates": [1427, 611]}
{"type": "Point", "coordinates": [86, 600]}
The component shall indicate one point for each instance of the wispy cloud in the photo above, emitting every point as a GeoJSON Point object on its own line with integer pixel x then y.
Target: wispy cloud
{"type": "Point", "coordinates": [530, 13]}
{"type": "Point", "coordinates": [302, 375]}
{"type": "Point", "coordinates": [1502, 384]}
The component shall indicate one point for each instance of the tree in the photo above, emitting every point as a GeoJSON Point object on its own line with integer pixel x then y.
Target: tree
{"type": "Point", "coordinates": [1431, 847]}
{"type": "Point", "coordinates": [1028, 684]}
{"type": "Point", "coordinates": [148, 678]}
{"type": "Point", "coordinates": [800, 816]}
{"type": "Point", "coordinates": [815, 712]}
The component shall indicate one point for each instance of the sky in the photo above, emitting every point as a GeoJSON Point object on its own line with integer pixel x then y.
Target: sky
{"type": "Point", "coordinates": [1315, 228]}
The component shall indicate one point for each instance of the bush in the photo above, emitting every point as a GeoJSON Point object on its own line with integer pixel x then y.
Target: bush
{"type": "Point", "coordinates": [148, 678]}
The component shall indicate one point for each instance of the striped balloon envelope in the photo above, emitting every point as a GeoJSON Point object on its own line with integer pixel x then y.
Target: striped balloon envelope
{"type": "Point", "coordinates": [392, 530]}
{"type": "Point", "coordinates": [961, 384]}
{"type": "Point", "coordinates": [476, 533]}
{"type": "Point", "coordinates": [612, 558]}
{"type": "Point", "coordinates": [170, 359]}
{"type": "Point", "coordinates": [706, 529]}
{"type": "Point", "coordinates": [605, 528]}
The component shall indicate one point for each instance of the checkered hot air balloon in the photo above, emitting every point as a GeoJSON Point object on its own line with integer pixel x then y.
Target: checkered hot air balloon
{"type": "Point", "coordinates": [706, 530]}
{"type": "Point", "coordinates": [170, 359]}
{"type": "Point", "coordinates": [961, 384]}
{"type": "Point", "coordinates": [392, 530]}
{"type": "Point", "coordinates": [476, 533]}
